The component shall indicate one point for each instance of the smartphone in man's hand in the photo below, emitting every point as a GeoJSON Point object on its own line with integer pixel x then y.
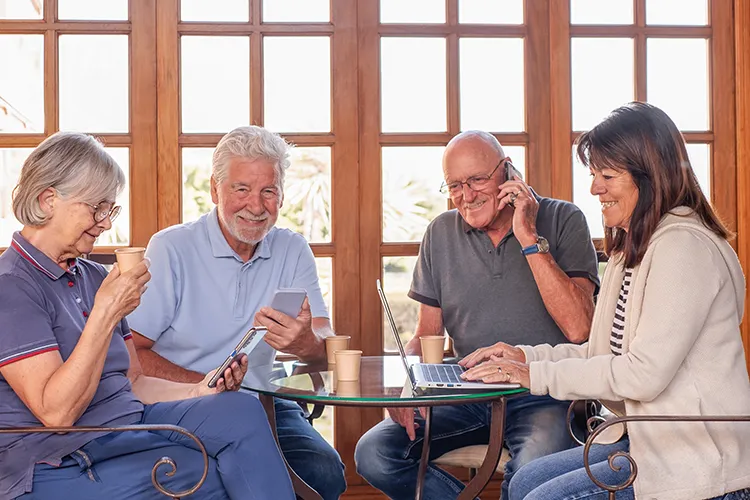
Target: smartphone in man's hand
{"type": "Point", "coordinates": [245, 346]}
{"type": "Point", "coordinates": [289, 301]}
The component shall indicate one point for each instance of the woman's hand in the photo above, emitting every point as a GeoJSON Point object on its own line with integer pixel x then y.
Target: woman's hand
{"type": "Point", "coordinates": [119, 294]}
{"type": "Point", "coordinates": [231, 380]}
{"type": "Point", "coordinates": [499, 350]}
{"type": "Point", "coordinates": [500, 370]}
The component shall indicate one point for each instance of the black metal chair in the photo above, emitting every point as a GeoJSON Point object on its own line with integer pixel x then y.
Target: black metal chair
{"type": "Point", "coordinates": [596, 424]}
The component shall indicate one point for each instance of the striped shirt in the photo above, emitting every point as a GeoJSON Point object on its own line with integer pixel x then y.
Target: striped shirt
{"type": "Point", "coordinates": [618, 325]}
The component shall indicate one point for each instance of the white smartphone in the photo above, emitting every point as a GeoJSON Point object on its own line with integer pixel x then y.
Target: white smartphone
{"type": "Point", "coordinates": [289, 301]}
{"type": "Point", "coordinates": [245, 346]}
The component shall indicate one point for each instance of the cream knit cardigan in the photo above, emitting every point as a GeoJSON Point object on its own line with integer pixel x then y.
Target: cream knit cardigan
{"type": "Point", "coordinates": [682, 355]}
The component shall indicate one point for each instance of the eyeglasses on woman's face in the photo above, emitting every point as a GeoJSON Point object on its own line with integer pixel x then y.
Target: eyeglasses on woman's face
{"type": "Point", "coordinates": [104, 209]}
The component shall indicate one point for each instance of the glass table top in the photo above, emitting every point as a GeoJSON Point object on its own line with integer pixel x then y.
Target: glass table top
{"type": "Point", "coordinates": [382, 380]}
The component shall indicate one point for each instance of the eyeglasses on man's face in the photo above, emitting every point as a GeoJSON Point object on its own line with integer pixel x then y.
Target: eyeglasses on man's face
{"type": "Point", "coordinates": [103, 210]}
{"type": "Point", "coordinates": [475, 183]}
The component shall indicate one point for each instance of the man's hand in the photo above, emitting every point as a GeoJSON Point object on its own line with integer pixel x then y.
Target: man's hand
{"type": "Point", "coordinates": [517, 193]}
{"type": "Point", "coordinates": [499, 350]}
{"type": "Point", "coordinates": [290, 335]}
{"type": "Point", "coordinates": [405, 418]}
{"type": "Point", "coordinates": [231, 380]}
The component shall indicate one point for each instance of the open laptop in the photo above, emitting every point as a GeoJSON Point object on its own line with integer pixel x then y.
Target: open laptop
{"type": "Point", "coordinates": [431, 378]}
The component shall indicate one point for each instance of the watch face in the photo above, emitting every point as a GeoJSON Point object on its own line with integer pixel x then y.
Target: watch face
{"type": "Point", "coordinates": [543, 245]}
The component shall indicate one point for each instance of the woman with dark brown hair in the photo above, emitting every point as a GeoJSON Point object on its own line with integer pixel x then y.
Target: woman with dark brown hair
{"type": "Point", "coordinates": [665, 336]}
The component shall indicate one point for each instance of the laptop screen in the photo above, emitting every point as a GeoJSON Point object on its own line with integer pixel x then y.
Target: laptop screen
{"type": "Point", "coordinates": [394, 330]}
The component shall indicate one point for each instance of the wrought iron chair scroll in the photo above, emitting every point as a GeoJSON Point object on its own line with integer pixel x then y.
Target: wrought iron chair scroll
{"type": "Point", "coordinates": [597, 424]}
{"type": "Point", "coordinates": [162, 461]}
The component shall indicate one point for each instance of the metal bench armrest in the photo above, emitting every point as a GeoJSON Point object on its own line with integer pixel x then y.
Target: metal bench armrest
{"type": "Point", "coordinates": [125, 428]}
{"type": "Point", "coordinates": [613, 489]}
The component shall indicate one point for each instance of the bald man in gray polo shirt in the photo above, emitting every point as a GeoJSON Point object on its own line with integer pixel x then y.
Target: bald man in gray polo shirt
{"type": "Point", "coordinates": [506, 265]}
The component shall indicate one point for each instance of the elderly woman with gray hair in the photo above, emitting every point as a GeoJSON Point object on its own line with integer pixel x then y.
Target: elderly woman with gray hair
{"type": "Point", "coordinates": [67, 358]}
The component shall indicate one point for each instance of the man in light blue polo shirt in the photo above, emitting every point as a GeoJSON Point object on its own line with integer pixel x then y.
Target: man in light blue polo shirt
{"type": "Point", "coordinates": [214, 278]}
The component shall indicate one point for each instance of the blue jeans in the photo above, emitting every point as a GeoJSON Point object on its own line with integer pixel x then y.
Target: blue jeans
{"type": "Point", "coordinates": [244, 461]}
{"type": "Point", "coordinates": [535, 426]}
{"type": "Point", "coordinates": [308, 454]}
{"type": "Point", "coordinates": [562, 476]}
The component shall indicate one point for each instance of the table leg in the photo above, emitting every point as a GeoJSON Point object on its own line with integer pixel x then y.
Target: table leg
{"type": "Point", "coordinates": [425, 452]}
{"type": "Point", "coordinates": [301, 488]}
{"type": "Point", "coordinates": [494, 450]}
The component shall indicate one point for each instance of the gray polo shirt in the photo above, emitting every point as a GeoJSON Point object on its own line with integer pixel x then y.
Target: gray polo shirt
{"type": "Point", "coordinates": [487, 293]}
{"type": "Point", "coordinates": [44, 308]}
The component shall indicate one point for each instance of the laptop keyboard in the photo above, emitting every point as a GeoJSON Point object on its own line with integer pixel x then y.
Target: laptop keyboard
{"type": "Point", "coordinates": [447, 374]}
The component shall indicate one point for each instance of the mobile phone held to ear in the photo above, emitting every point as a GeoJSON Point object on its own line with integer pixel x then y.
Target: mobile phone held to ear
{"type": "Point", "coordinates": [510, 171]}
{"type": "Point", "coordinates": [289, 301]}
{"type": "Point", "coordinates": [245, 346]}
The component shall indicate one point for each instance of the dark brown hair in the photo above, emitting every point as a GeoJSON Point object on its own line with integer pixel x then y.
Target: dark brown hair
{"type": "Point", "coordinates": [642, 140]}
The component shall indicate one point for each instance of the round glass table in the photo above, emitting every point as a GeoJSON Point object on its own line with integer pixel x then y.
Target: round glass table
{"type": "Point", "coordinates": [382, 383]}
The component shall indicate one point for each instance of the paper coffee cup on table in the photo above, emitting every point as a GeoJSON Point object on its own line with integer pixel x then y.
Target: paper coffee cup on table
{"type": "Point", "coordinates": [432, 348]}
{"type": "Point", "coordinates": [347, 364]}
{"type": "Point", "coordinates": [128, 258]}
{"type": "Point", "coordinates": [336, 343]}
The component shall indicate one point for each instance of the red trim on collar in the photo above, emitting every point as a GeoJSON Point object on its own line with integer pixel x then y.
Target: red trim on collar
{"type": "Point", "coordinates": [23, 253]}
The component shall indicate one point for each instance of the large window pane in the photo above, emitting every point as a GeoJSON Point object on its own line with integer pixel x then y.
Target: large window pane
{"type": "Point", "coordinates": [677, 78]}
{"type": "Point", "coordinates": [215, 10]}
{"type": "Point", "coordinates": [110, 10]}
{"type": "Point", "coordinates": [411, 191]}
{"type": "Point", "coordinates": [21, 9]}
{"type": "Point", "coordinates": [587, 202]}
{"type": "Point", "coordinates": [413, 84]}
{"type": "Point", "coordinates": [11, 160]}
{"type": "Point", "coordinates": [119, 234]}
{"type": "Point", "coordinates": [602, 78]}
{"type": "Point", "coordinates": [196, 182]}
{"type": "Point", "coordinates": [215, 95]}
{"type": "Point", "coordinates": [296, 11]}
{"type": "Point", "coordinates": [297, 97]}
{"type": "Point", "coordinates": [517, 154]}
{"type": "Point", "coordinates": [94, 83]}
{"type": "Point", "coordinates": [325, 279]}
{"type": "Point", "coordinates": [307, 194]}
{"type": "Point", "coordinates": [490, 11]}
{"type": "Point", "coordinates": [412, 11]}
{"type": "Point", "coordinates": [601, 12]}
{"type": "Point", "coordinates": [492, 84]}
{"type": "Point", "coordinates": [397, 274]}
{"type": "Point", "coordinates": [677, 12]}
{"type": "Point", "coordinates": [21, 83]}
{"type": "Point", "coordinates": [700, 160]}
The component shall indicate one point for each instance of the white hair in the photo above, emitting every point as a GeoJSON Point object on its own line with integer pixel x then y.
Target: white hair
{"type": "Point", "coordinates": [251, 142]}
{"type": "Point", "coordinates": [75, 165]}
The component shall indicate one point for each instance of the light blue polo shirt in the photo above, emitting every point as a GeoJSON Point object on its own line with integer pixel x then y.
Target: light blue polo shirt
{"type": "Point", "coordinates": [202, 297]}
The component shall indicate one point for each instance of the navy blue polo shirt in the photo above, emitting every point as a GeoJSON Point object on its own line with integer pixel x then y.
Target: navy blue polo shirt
{"type": "Point", "coordinates": [44, 308]}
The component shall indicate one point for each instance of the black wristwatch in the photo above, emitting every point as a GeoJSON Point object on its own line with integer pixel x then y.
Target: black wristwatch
{"type": "Point", "coordinates": [541, 246]}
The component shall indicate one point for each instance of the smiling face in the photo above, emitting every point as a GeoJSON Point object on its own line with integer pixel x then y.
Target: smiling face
{"type": "Point", "coordinates": [617, 194]}
{"type": "Point", "coordinates": [248, 201]}
{"type": "Point", "coordinates": [467, 158]}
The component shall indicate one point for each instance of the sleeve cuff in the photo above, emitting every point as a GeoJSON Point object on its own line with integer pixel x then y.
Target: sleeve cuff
{"type": "Point", "coordinates": [422, 299]}
{"type": "Point", "coordinates": [528, 353]}
{"type": "Point", "coordinates": [28, 354]}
